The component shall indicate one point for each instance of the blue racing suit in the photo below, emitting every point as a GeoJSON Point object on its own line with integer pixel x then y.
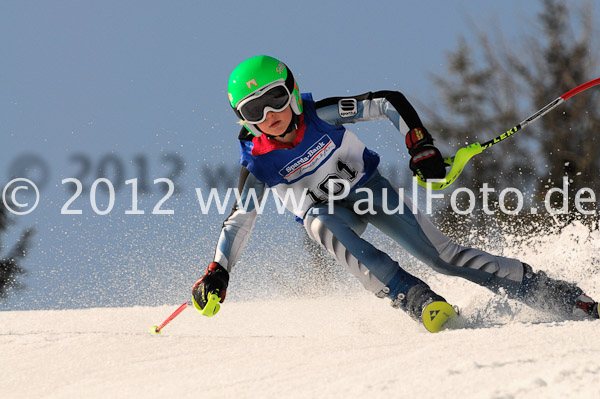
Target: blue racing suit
{"type": "Point", "coordinates": [330, 157]}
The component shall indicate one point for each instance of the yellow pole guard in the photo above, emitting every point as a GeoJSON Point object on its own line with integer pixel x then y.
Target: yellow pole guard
{"type": "Point", "coordinates": [212, 306]}
{"type": "Point", "coordinates": [458, 163]}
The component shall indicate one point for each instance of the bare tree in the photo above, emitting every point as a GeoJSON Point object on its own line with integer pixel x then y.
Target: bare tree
{"type": "Point", "coordinates": [491, 86]}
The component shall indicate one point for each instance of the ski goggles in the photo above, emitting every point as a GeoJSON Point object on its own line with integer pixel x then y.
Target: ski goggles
{"type": "Point", "coordinates": [273, 97]}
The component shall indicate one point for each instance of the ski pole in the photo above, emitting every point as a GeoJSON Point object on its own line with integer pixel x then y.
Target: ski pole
{"type": "Point", "coordinates": [157, 329]}
{"type": "Point", "coordinates": [463, 155]}
{"type": "Point", "coordinates": [210, 309]}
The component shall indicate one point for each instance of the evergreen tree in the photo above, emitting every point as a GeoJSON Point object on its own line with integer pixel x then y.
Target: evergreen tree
{"type": "Point", "coordinates": [10, 265]}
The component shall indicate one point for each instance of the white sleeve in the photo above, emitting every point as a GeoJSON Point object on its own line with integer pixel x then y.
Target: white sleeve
{"type": "Point", "coordinates": [238, 225]}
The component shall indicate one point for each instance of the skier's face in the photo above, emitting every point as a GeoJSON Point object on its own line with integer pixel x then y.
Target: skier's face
{"type": "Point", "coordinates": [277, 122]}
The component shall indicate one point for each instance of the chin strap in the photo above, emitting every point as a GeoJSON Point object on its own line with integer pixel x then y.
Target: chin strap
{"type": "Point", "coordinates": [291, 127]}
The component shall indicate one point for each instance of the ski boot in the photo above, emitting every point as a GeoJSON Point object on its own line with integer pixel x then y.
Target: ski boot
{"type": "Point", "coordinates": [421, 303]}
{"type": "Point", "coordinates": [556, 296]}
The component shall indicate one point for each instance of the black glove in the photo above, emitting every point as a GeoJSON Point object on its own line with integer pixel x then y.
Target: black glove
{"type": "Point", "coordinates": [215, 280]}
{"type": "Point", "coordinates": [426, 160]}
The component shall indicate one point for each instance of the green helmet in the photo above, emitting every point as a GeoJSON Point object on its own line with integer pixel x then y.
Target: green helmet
{"type": "Point", "coordinates": [255, 73]}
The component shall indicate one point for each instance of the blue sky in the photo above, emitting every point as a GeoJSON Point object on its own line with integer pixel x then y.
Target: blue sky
{"type": "Point", "coordinates": [131, 81]}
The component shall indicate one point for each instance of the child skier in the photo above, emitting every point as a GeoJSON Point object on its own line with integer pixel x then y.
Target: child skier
{"type": "Point", "coordinates": [300, 148]}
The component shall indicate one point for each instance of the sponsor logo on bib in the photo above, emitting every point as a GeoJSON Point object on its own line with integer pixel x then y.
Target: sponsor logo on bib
{"type": "Point", "coordinates": [309, 160]}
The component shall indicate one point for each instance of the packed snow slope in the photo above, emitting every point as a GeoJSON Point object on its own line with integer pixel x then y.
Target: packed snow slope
{"type": "Point", "coordinates": [334, 347]}
{"type": "Point", "coordinates": [324, 343]}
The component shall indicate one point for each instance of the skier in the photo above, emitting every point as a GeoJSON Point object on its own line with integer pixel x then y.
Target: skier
{"type": "Point", "coordinates": [300, 149]}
